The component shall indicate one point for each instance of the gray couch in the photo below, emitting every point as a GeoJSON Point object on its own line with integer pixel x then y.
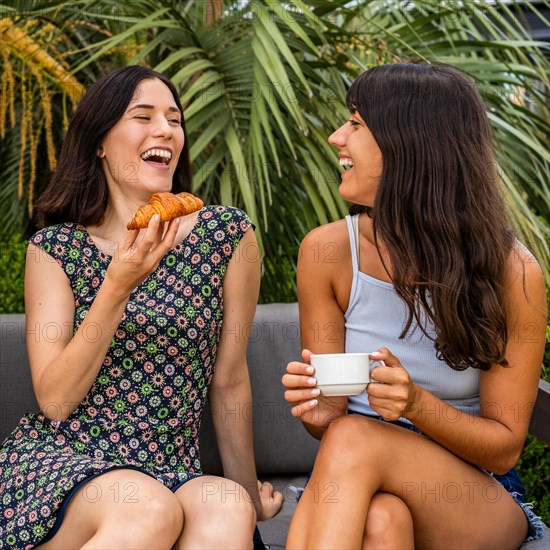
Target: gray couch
{"type": "Point", "coordinates": [284, 451]}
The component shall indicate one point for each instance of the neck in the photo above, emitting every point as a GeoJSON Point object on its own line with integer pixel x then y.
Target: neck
{"type": "Point", "coordinates": [113, 226]}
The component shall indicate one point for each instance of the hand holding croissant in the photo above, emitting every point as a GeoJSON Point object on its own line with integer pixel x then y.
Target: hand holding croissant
{"type": "Point", "coordinates": [167, 205]}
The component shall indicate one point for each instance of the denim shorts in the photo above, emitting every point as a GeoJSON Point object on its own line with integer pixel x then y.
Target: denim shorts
{"type": "Point", "coordinates": [510, 481]}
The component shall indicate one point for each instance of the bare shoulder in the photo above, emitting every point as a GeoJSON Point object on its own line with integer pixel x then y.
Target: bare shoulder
{"type": "Point", "coordinates": [521, 264]}
{"type": "Point", "coordinates": [47, 287]}
{"type": "Point", "coordinates": [41, 268]}
{"type": "Point", "coordinates": [326, 244]}
{"type": "Point", "coordinates": [524, 280]}
{"type": "Point", "coordinates": [325, 272]}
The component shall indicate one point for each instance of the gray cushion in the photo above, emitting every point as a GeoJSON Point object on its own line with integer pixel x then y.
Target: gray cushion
{"type": "Point", "coordinates": [16, 392]}
{"type": "Point", "coordinates": [281, 444]}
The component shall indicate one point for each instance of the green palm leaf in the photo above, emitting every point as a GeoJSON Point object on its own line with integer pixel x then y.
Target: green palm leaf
{"type": "Point", "coordinates": [264, 86]}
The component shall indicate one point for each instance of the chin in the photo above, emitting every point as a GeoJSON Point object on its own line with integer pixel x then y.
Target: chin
{"type": "Point", "coordinates": [159, 187]}
{"type": "Point", "coordinates": [354, 199]}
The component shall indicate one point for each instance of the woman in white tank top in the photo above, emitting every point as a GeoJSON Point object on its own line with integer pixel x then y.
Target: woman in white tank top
{"type": "Point", "coordinates": [428, 274]}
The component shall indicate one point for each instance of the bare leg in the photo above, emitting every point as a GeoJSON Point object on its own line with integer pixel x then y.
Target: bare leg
{"type": "Point", "coordinates": [389, 524]}
{"type": "Point", "coordinates": [122, 508]}
{"type": "Point", "coordinates": [452, 504]}
{"type": "Point", "coordinates": [218, 514]}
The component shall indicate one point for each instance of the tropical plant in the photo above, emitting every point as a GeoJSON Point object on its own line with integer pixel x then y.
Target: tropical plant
{"type": "Point", "coordinates": [263, 84]}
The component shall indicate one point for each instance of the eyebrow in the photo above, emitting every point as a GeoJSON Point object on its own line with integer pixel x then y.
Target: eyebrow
{"type": "Point", "coordinates": [145, 106]}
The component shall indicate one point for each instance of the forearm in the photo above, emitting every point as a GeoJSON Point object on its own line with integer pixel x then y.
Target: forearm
{"type": "Point", "coordinates": [68, 378]}
{"type": "Point", "coordinates": [481, 441]}
{"type": "Point", "coordinates": [232, 421]}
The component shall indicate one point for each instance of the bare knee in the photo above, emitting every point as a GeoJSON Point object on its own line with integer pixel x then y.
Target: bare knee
{"type": "Point", "coordinates": [156, 522]}
{"type": "Point", "coordinates": [388, 512]}
{"type": "Point", "coordinates": [221, 503]}
{"type": "Point", "coordinates": [343, 441]}
{"type": "Point", "coordinates": [159, 517]}
{"type": "Point", "coordinates": [232, 505]}
{"type": "Point", "coordinates": [138, 510]}
{"type": "Point", "coordinates": [389, 523]}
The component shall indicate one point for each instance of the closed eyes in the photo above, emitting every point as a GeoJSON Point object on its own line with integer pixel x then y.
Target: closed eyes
{"type": "Point", "coordinates": [170, 120]}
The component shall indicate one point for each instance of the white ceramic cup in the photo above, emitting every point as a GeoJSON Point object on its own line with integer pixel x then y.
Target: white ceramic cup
{"type": "Point", "coordinates": [342, 373]}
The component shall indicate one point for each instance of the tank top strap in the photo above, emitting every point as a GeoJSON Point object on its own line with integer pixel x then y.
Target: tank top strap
{"type": "Point", "coordinates": [353, 229]}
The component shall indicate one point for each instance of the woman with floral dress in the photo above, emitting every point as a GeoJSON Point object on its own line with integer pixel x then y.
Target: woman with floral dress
{"type": "Point", "coordinates": [128, 331]}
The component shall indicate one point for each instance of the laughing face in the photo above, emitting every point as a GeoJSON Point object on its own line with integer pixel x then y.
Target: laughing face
{"type": "Point", "coordinates": [141, 151]}
{"type": "Point", "coordinates": [361, 161]}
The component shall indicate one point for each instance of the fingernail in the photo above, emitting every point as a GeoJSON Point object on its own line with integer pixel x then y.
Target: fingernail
{"type": "Point", "coordinates": [311, 381]}
{"type": "Point", "coordinates": [315, 392]}
{"type": "Point", "coordinates": [310, 370]}
{"type": "Point", "coordinates": [313, 402]}
{"type": "Point", "coordinates": [156, 218]}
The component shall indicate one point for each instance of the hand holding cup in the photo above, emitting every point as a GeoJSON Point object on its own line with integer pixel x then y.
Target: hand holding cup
{"type": "Point", "coordinates": [340, 374]}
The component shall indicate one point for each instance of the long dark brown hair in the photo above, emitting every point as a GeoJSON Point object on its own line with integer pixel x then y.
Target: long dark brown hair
{"type": "Point", "coordinates": [439, 210]}
{"type": "Point", "coordinates": [78, 190]}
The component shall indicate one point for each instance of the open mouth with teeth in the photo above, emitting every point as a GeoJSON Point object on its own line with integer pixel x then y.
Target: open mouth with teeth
{"type": "Point", "coordinates": [346, 163]}
{"type": "Point", "coordinates": [158, 156]}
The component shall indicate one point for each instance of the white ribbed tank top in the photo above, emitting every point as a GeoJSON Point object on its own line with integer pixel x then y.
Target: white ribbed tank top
{"type": "Point", "coordinates": [375, 317]}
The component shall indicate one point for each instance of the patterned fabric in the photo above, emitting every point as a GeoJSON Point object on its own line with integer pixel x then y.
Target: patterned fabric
{"type": "Point", "coordinates": [144, 408]}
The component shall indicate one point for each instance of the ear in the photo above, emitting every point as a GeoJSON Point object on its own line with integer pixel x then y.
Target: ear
{"type": "Point", "coordinates": [100, 152]}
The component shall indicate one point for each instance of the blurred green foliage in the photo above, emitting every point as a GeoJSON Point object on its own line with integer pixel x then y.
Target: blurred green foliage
{"type": "Point", "coordinates": [534, 470]}
{"type": "Point", "coordinates": [12, 275]}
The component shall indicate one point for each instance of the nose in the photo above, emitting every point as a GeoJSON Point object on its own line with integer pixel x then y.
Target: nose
{"type": "Point", "coordinates": [163, 128]}
{"type": "Point", "coordinates": [338, 137]}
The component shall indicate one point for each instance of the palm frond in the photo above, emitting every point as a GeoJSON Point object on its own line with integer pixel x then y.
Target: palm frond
{"type": "Point", "coordinates": [263, 84]}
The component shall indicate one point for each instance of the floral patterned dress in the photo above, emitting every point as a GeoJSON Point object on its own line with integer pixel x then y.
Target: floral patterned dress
{"type": "Point", "coordinates": [144, 409]}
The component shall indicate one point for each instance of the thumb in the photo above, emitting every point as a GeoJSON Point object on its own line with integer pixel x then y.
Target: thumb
{"type": "Point", "coordinates": [306, 356]}
{"type": "Point", "coordinates": [129, 240]}
{"type": "Point", "coordinates": [384, 354]}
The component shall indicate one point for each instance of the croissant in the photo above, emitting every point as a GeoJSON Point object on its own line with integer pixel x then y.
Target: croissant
{"type": "Point", "coordinates": [167, 205]}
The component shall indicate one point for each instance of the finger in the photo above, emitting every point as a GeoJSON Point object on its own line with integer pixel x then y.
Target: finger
{"type": "Point", "coordinates": [146, 238]}
{"type": "Point", "coordinates": [169, 238]}
{"type": "Point", "coordinates": [266, 488]}
{"type": "Point", "coordinates": [129, 239]}
{"type": "Point", "coordinates": [154, 237]}
{"type": "Point", "coordinates": [300, 410]}
{"type": "Point", "coordinates": [397, 375]}
{"type": "Point", "coordinates": [295, 367]}
{"type": "Point", "coordinates": [293, 381]}
{"type": "Point", "coordinates": [296, 396]}
{"type": "Point", "coordinates": [276, 498]}
{"type": "Point", "coordinates": [306, 355]}
{"type": "Point", "coordinates": [378, 390]}
{"type": "Point", "coordinates": [171, 232]}
{"type": "Point", "coordinates": [158, 234]}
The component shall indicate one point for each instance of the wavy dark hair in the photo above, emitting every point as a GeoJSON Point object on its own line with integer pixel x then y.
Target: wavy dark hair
{"type": "Point", "coordinates": [78, 190]}
{"type": "Point", "coordinates": [439, 209]}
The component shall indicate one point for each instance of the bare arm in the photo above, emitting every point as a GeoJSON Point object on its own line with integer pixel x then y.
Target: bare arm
{"type": "Point", "coordinates": [229, 393]}
{"type": "Point", "coordinates": [322, 331]}
{"type": "Point", "coordinates": [64, 366]}
{"type": "Point", "coordinates": [494, 439]}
